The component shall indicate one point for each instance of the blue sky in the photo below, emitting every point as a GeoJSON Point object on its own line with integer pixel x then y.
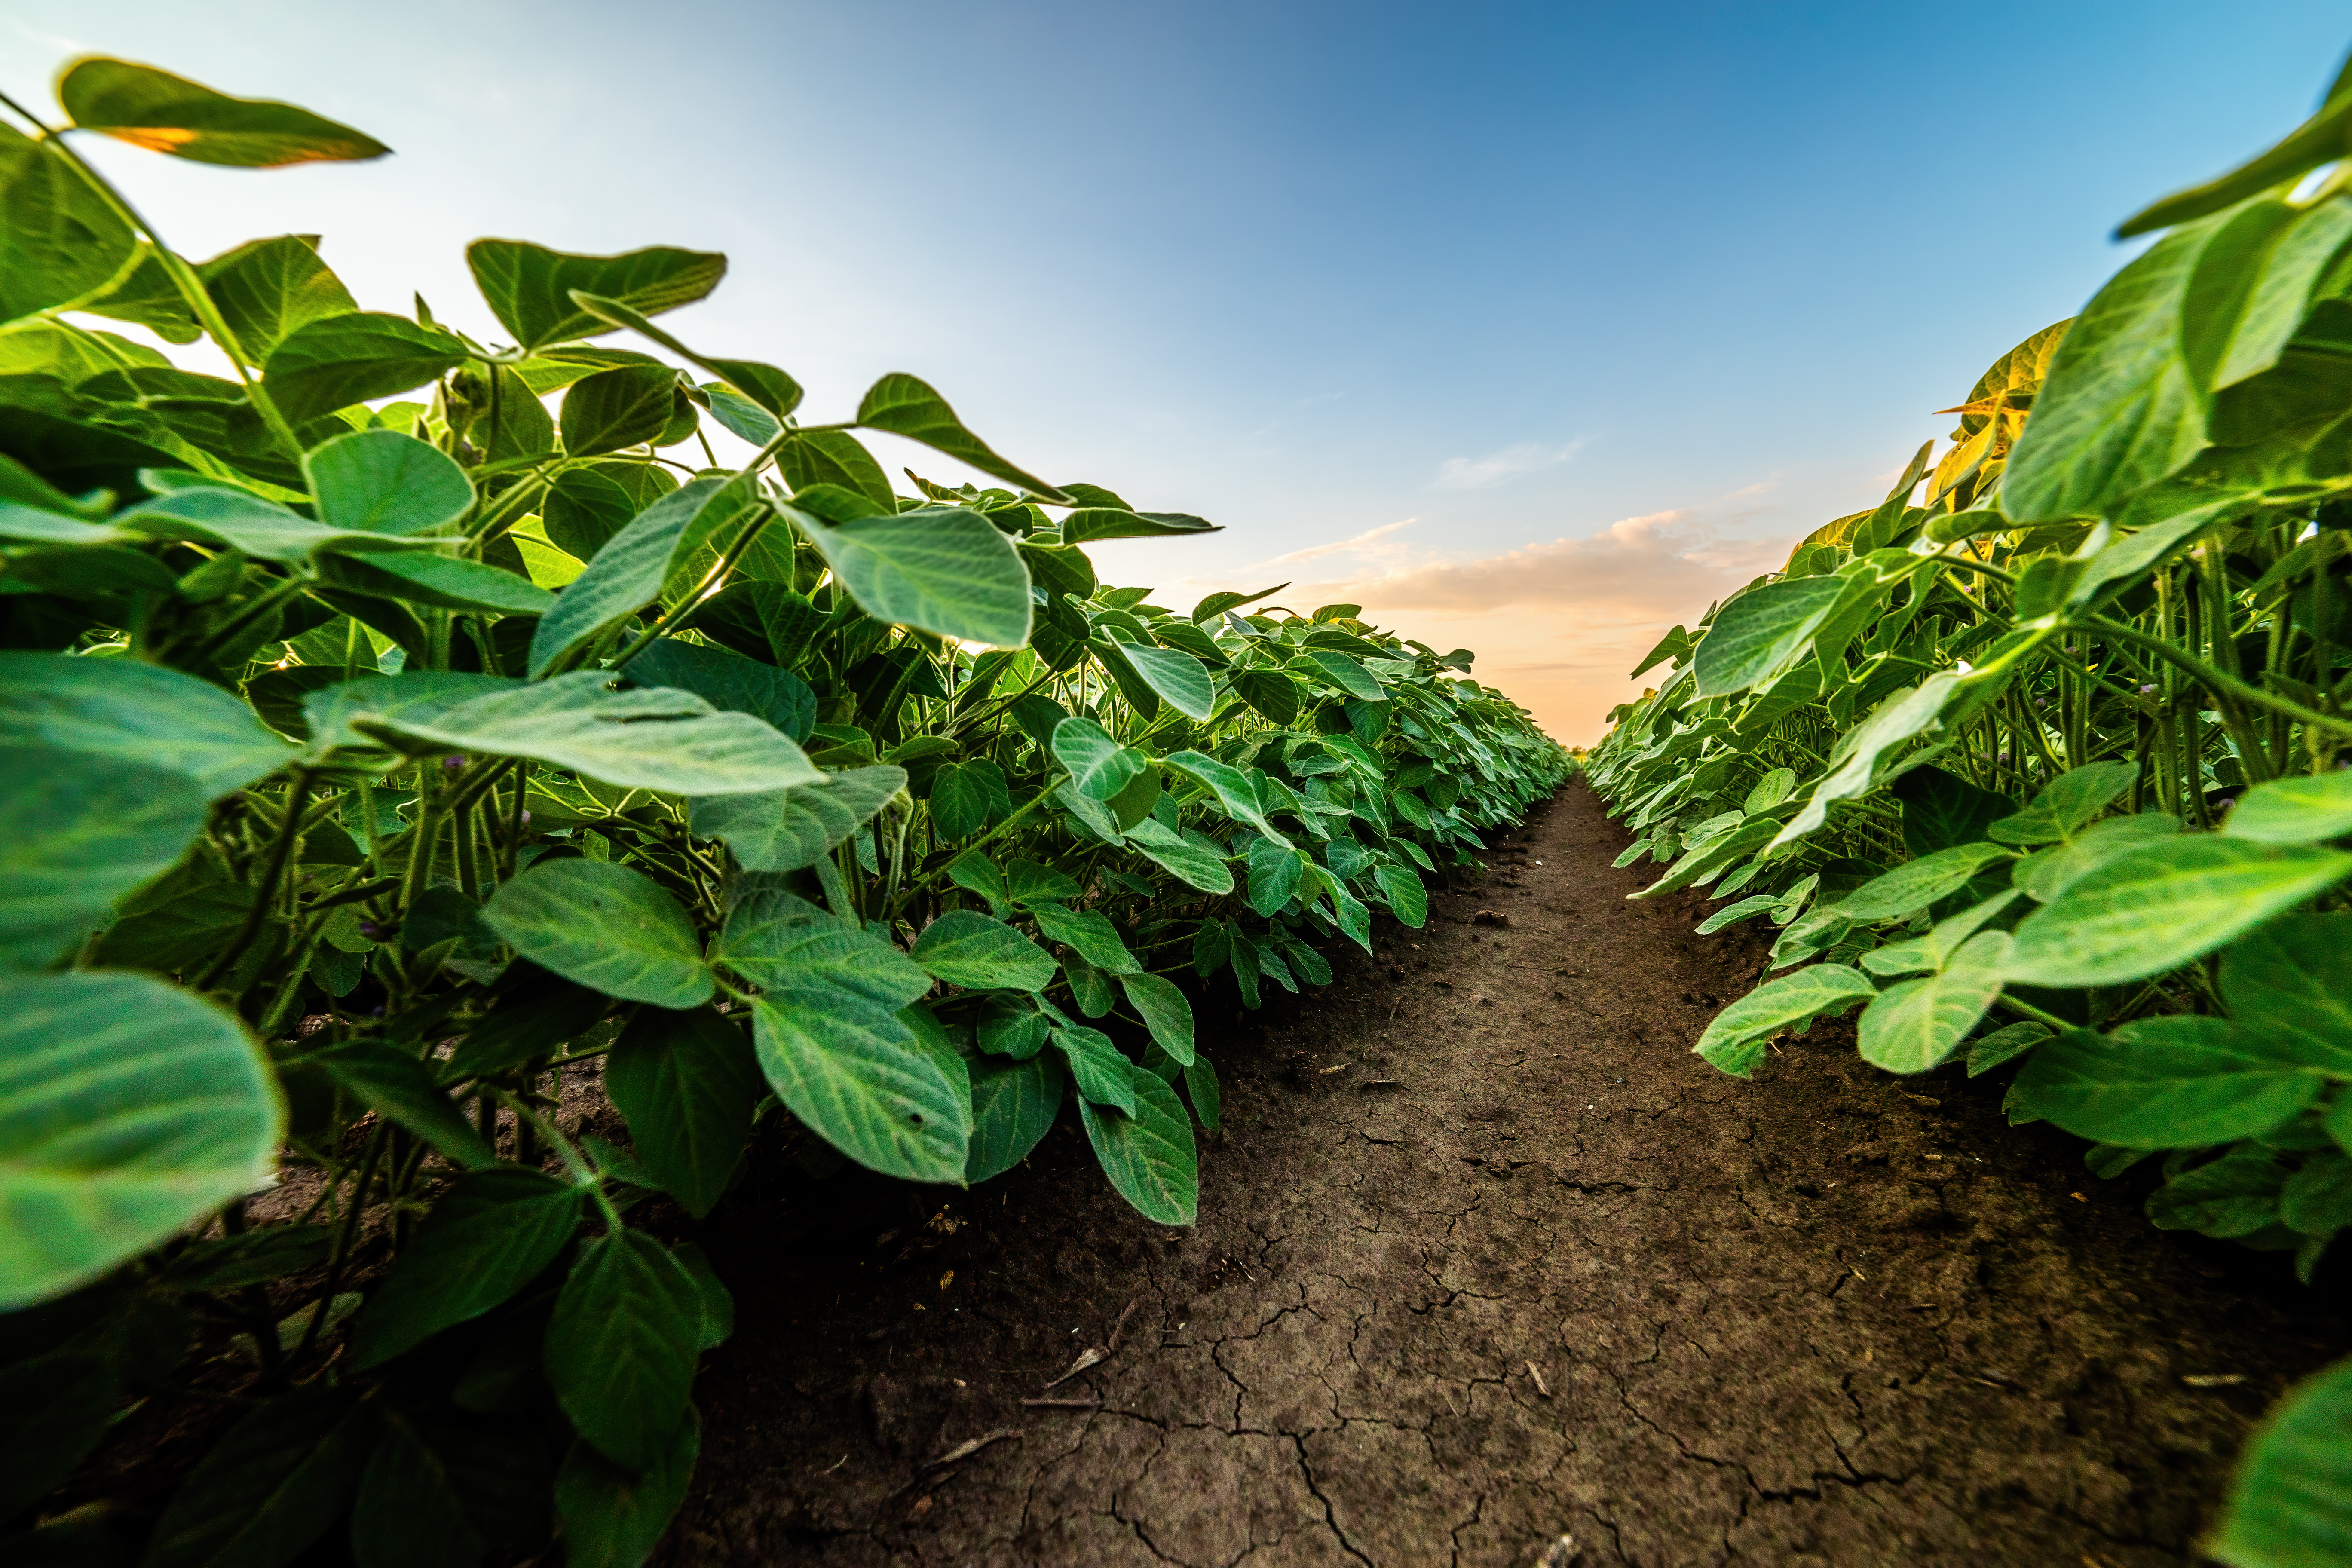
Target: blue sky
{"type": "Point", "coordinates": [1534, 327]}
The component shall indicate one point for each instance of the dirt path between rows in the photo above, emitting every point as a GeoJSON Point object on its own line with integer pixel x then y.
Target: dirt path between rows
{"type": "Point", "coordinates": [1485, 1257]}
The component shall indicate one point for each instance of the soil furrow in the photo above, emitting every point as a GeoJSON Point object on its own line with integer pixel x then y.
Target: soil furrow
{"type": "Point", "coordinates": [1486, 1258]}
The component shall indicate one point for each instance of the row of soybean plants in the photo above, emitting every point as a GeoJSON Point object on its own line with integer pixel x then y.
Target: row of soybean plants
{"type": "Point", "coordinates": [2054, 773]}
{"type": "Point", "coordinates": [369, 758]}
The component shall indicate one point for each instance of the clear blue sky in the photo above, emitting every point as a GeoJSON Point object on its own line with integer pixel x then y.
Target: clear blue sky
{"type": "Point", "coordinates": [1517, 272]}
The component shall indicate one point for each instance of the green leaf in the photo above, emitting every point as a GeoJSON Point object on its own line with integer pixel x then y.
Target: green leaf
{"type": "Point", "coordinates": [1917, 1024]}
{"type": "Point", "coordinates": [2167, 1082]}
{"type": "Point", "coordinates": [614, 1518]}
{"type": "Point", "coordinates": [1103, 1075]}
{"type": "Point", "coordinates": [1200, 1083]}
{"type": "Point", "coordinates": [489, 1234]}
{"type": "Point", "coordinates": [2290, 1504]}
{"type": "Point", "coordinates": [1734, 1039]}
{"type": "Point", "coordinates": [906, 407]}
{"type": "Point", "coordinates": [635, 567]}
{"type": "Point", "coordinates": [270, 1487]}
{"type": "Point", "coordinates": [1194, 858]}
{"type": "Point", "coordinates": [936, 568]}
{"type": "Point", "coordinates": [2308, 810]}
{"type": "Point", "coordinates": [1013, 1105]}
{"type": "Point", "coordinates": [1408, 898]}
{"type": "Point", "coordinates": [1760, 630]}
{"type": "Point", "coordinates": [382, 481]}
{"type": "Point", "coordinates": [1165, 1012]}
{"type": "Point", "coordinates": [1273, 694]}
{"type": "Point", "coordinates": [409, 1512]}
{"type": "Point", "coordinates": [2157, 907]}
{"type": "Point", "coordinates": [836, 458]}
{"type": "Point", "coordinates": [1275, 871]}
{"type": "Point", "coordinates": [1090, 932]}
{"type": "Point", "coordinates": [650, 738]}
{"type": "Point", "coordinates": [625, 407]}
{"type": "Point", "coordinates": [1100, 766]}
{"type": "Point", "coordinates": [967, 797]}
{"type": "Point", "coordinates": [785, 830]}
{"type": "Point", "coordinates": [398, 1086]}
{"type": "Point", "coordinates": [267, 289]}
{"type": "Point", "coordinates": [1180, 680]}
{"type": "Point", "coordinates": [1090, 524]}
{"type": "Point", "coordinates": [529, 1022]}
{"type": "Point", "coordinates": [529, 286]}
{"type": "Point", "coordinates": [166, 114]}
{"type": "Point", "coordinates": [729, 683]}
{"type": "Point", "coordinates": [59, 241]}
{"type": "Point", "coordinates": [1148, 1155]}
{"type": "Point", "coordinates": [2318, 139]}
{"type": "Point", "coordinates": [128, 1109]}
{"type": "Point", "coordinates": [2318, 1199]}
{"type": "Point", "coordinates": [2291, 982]}
{"type": "Point", "coordinates": [2005, 1044]}
{"type": "Point", "coordinates": [685, 1083]}
{"type": "Point", "coordinates": [621, 1347]}
{"type": "Point", "coordinates": [2237, 1194]}
{"type": "Point", "coordinates": [2071, 800]}
{"type": "Point", "coordinates": [442, 582]}
{"type": "Point", "coordinates": [128, 711]}
{"type": "Point", "coordinates": [1942, 810]}
{"type": "Point", "coordinates": [1235, 794]}
{"type": "Point", "coordinates": [966, 948]}
{"type": "Point", "coordinates": [2059, 867]}
{"type": "Point", "coordinates": [1915, 884]}
{"type": "Point", "coordinates": [1344, 673]}
{"type": "Point", "coordinates": [342, 360]}
{"type": "Point", "coordinates": [605, 927]}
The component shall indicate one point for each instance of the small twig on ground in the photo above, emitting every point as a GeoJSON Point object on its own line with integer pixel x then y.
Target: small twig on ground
{"type": "Point", "coordinates": [1087, 1357]}
{"type": "Point", "coordinates": [971, 1446]}
{"type": "Point", "coordinates": [1118, 1330]}
{"type": "Point", "coordinates": [1540, 1382]}
{"type": "Point", "coordinates": [1044, 1402]}
{"type": "Point", "coordinates": [833, 1467]}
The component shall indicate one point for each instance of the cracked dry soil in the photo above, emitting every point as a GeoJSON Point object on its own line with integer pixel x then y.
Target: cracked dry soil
{"type": "Point", "coordinates": [1484, 1256]}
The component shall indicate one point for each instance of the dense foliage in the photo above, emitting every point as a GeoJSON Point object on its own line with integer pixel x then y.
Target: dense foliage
{"type": "Point", "coordinates": [370, 762]}
{"type": "Point", "coordinates": [2054, 773]}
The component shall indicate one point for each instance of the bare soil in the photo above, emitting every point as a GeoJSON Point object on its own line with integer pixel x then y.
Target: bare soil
{"type": "Point", "coordinates": [1485, 1257]}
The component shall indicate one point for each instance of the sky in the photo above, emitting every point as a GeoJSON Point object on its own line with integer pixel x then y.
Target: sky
{"type": "Point", "coordinates": [1533, 329]}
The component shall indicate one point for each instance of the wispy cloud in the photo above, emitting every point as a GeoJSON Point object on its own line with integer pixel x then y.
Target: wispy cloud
{"type": "Point", "coordinates": [1661, 562]}
{"type": "Point", "coordinates": [1508, 463]}
{"type": "Point", "coordinates": [1358, 543]}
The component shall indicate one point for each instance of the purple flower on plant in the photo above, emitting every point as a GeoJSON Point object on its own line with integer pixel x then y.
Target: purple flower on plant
{"type": "Point", "coordinates": [453, 764]}
{"type": "Point", "coordinates": [526, 816]}
{"type": "Point", "coordinates": [369, 930]}
{"type": "Point", "coordinates": [2148, 690]}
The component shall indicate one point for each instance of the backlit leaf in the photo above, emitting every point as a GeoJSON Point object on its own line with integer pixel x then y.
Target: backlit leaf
{"type": "Point", "coordinates": [529, 286]}
{"type": "Point", "coordinates": [605, 927]}
{"type": "Point", "coordinates": [938, 569]}
{"type": "Point", "coordinates": [166, 113]}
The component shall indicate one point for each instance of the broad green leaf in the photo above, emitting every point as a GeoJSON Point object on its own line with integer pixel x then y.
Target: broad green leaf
{"type": "Point", "coordinates": [785, 830]}
{"type": "Point", "coordinates": [685, 1083]}
{"type": "Point", "coordinates": [1915, 884]}
{"type": "Point", "coordinates": [2291, 1503]}
{"type": "Point", "coordinates": [937, 569]}
{"type": "Point", "coordinates": [140, 713]}
{"type": "Point", "coordinates": [2070, 800]}
{"type": "Point", "coordinates": [1011, 1026]}
{"type": "Point", "coordinates": [1180, 680]}
{"type": "Point", "coordinates": [967, 797]}
{"type": "Point", "coordinates": [1149, 1155]}
{"type": "Point", "coordinates": [382, 481]}
{"type": "Point", "coordinates": [269, 1487]}
{"type": "Point", "coordinates": [1218, 604]}
{"type": "Point", "coordinates": [1935, 950]}
{"type": "Point", "coordinates": [2318, 1199]}
{"type": "Point", "coordinates": [1090, 524]}
{"type": "Point", "coordinates": [1344, 673]}
{"type": "Point", "coordinates": [1355, 920]}
{"type": "Point", "coordinates": [1275, 871]}
{"type": "Point", "coordinates": [966, 948]}
{"type": "Point", "coordinates": [338, 361]}
{"type": "Point", "coordinates": [234, 519]}
{"type": "Point", "coordinates": [1236, 796]}
{"type": "Point", "coordinates": [2312, 809]}
{"type": "Point", "coordinates": [1088, 932]}
{"type": "Point", "coordinates": [2167, 1082]}
{"type": "Point", "coordinates": [399, 1087]}
{"type": "Point", "coordinates": [1408, 898]}
{"type": "Point", "coordinates": [2157, 907]}
{"type": "Point", "coordinates": [529, 286]}
{"type": "Point", "coordinates": [267, 289]}
{"type": "Point", "coordinates": [648, 738]}
{"type": "Point", "coordinates": [1770, 790]}
{"type": "Point", "coordinates": [128, 1109]}
{"type": "Point", "coordinates": [1734, 1039]}
{"type": "Point", "coordinates": [1273, 694]}
{"type": "Point", "coordinates": [59, 241]}
{"type": "Point", "coordinates": [604, 927]}
{"type": "Point", "coordinates": [836, 458]}
{"type": "Point", "coordinates": [1191, 857]}
{"type": "Point", "coordinates": [442, 582]}
{"type": "Point", "coordinates": [613, 1517]}
{"type": "Point", "coordinates": [729, 683]}
{"type": "Point", "coordinates": [2053, 871]}
{"type": "Point", "coordinates": [635, 566]}
{"type": "Point", "coordinates": [1013, 1105]}
{"type": "Point", "coordinates": [1026, 882]}
{"type": "Point", "coordinates": [1103, 1075]}
{"type": "Point", "coordinates": [770, 393]}
{"type": "Point", "coordinates": [83, 829]}
{"type": "Point", "coordinates": [2005, 1044]}
{"type": "Point", "coordinates": [166, 114]}
{"type": "Point", "coordinates": [906, 407]}
{"type": "Point", "coordinates": [1200, 1083]}
{"type": "Point", "coordinates": [627, 405]}
{"type": "Point", "coordinates": [2236, 1195]}
{"type": "Point", "coordinates": [1165, 1012]}
{"type": "Point", "coordinates": [1942, 810]}
{"type": "Point", "coordinates": [410, 1513]}
{"type": "Point", "coordinates": [1917, 1024]}
{"type": "Point", "coordinates": [622, 1345]}
{"type": "Point", "coordinates": [487, 1237]}
{"type": "Point", "coordinates": [1760, 630]}
{"type": "Point", "coordinates": [1942, 702]}
{"type": "Point", "coordinates": [2291, 982]}
{"type": "Point", "coordinates": [1100, 766]}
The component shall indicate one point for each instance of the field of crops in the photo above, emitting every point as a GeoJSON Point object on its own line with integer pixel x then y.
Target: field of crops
{"type": "Point", "coordinates": [2045, 763]}
{"type": "Point", "coordinates": [368, 761]}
